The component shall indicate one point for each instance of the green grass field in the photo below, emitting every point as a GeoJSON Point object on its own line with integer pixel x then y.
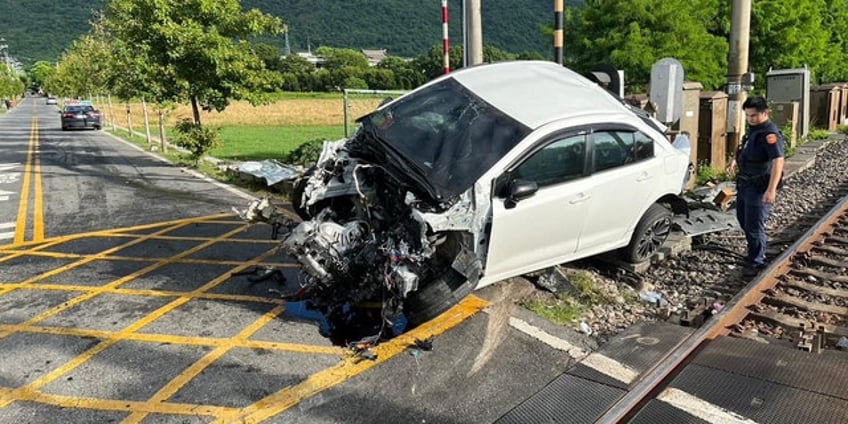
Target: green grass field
{"type": "Point", "coordinates": [256, 143]}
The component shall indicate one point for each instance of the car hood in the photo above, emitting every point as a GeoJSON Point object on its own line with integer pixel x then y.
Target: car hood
{"type": "Point", "coordinates": [440, 139]}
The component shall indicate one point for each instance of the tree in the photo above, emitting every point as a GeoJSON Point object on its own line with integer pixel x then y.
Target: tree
{"type": "Point", "coordinates": [342, 58]}
{"type": "Point", "coordinates": [634, 34]}
{"type": "Point", "coordinates": [195, 49]}
{"type": "Point", "coordinates": [788, 34]}
{"type": "Point", "coordinates": [270, 55]}
{"type": "Point", "coordinates": [84, 69]}
{"type": "Point", "coordinates": [10, 85]}
{"type": "Point", "coordinates": [431, 64]}
{"type": "Point", "coordinates": [297, 65]}
{"type": "Point", "coordinates": [835, 21]}
{"type": "Point", "coordinates": [493, 54]}
{"type": "Point", "coordinates": [380, 79]}
{"type": "Point", "coordinates": [39, 72]}
{"type": "Point", "coordinates": [406, 77]}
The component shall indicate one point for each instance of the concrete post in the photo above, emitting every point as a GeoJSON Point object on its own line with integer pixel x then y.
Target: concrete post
{"type": "Point", "coordinates": [740, 27]}
{"type": "Point", "coordinates": [474, 32]}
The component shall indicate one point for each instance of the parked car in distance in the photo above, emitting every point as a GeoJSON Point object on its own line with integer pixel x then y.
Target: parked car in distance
{"type": "Point", "coordinates": [51, 100]}
{"type": "Point", "coordinates": [80, 114]}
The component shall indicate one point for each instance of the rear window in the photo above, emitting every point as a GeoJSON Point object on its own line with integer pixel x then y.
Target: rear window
{"type": "Point", "coordinates": [79, 108]}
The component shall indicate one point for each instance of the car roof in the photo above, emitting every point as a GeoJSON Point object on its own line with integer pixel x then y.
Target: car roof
{"type": "Point", "coordinates": [537, 92]}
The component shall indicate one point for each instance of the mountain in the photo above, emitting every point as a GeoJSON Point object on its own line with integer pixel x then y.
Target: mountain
{"type": "Point", "coordinates": [42, 29]}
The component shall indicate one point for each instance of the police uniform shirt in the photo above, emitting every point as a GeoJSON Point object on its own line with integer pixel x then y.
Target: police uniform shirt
{"type": "Point", "coordinates": [763, 143]}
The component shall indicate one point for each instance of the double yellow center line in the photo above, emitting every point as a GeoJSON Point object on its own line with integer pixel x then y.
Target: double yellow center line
{"type": "Point", "coordinates": [32, 180]}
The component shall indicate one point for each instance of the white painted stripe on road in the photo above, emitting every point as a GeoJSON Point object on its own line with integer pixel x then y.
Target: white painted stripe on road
{"type": "Point", "coordinates": [700, 408]}
{"type": "Point", "coordinates": [546, 338]}
{"type": "Point", "coordinates": [7, 225]}
{"type": "Point", "coordinates": [610, 367]}
{"type": "Point", "coordinates": [6, 236]}
{"type": "Point", "coordinates": [596, 361]}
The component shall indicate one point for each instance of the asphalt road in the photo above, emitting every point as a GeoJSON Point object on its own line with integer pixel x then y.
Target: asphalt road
{"type": "Point", "coordinates": [90, 181]}
{"type": "Point", "coordinates": [120, 301]}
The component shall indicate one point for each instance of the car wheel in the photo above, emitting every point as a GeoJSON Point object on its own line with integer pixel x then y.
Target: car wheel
{"type": "Point", "coordinates": [436, 297]}
{"type": "Point", "coordinates": [447, 287]}
{"type": "Point", "coordinates": [650, 234]}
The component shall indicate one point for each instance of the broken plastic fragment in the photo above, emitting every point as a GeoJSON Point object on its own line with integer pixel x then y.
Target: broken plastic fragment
{"type": "Point", "coordinates": [425, 345]}
{"type": "Point", "coordinates": [654, 298]}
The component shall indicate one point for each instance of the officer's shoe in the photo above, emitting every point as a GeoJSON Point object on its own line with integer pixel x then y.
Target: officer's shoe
{"type": "Point", "coordinates": [751, 270]}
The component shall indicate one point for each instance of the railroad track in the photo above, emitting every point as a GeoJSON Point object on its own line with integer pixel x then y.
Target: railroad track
{"type": "Point", "coordinates": [800, 300]}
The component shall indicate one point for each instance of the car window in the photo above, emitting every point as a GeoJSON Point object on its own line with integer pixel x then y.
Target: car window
{"type": "Point", "coordinates": [619, 148]}
{"type": "Point", "coordinates": [559, 161]}
{"type": "Point", "coordinates": [644, 147]}
{"type": "Point", "coordinates": [79, 108]}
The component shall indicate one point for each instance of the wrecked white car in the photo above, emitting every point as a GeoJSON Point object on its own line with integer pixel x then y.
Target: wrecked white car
{"type": "Point", "coordinates": [486, 173]}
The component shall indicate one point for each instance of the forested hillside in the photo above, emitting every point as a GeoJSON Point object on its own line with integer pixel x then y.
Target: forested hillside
{"type": "Point", "coordinates": [41, 29]}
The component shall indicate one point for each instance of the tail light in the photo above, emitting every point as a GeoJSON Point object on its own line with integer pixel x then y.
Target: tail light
{"type": "Point", "coordinates": [68, 115]}
{"type": "Point", "coordinates": [93, 115]}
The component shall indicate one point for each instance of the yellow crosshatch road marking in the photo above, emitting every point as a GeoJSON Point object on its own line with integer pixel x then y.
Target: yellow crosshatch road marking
{"type": "Point", "coordinates": [286, 398]}
{"type": "Point", "coordinates": [262, 409]}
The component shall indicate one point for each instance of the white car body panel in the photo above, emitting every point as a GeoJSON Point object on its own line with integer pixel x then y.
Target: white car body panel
{"type": "Point", "coordinates": [559, 223]}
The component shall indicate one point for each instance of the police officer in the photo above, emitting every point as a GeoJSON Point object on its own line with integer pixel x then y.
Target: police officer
{"type": "Point", "coordinates": [760, 162]}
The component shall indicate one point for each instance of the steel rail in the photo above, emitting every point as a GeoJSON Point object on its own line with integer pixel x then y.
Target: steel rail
{"type": "Point", "coordinates": [733, 313]}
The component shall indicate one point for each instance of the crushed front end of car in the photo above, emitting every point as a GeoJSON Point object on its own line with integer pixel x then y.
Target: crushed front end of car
{"type": "Point", "coordinates": [365, 250]}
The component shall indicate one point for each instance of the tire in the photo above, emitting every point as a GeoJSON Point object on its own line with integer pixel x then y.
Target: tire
{"type": "Point", "coordinates": [650, 234]}
{"type": "Point", "coordinates": [436, 297]}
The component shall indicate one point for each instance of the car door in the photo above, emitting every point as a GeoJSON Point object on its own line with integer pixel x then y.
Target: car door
{"type": "Point", "coordinates": [624, 173]}
{"type": "Point", "coordinates": [544, 227]}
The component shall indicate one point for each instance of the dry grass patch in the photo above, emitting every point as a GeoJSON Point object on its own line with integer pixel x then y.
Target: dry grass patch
{"type": "Point", "coordinates": [285, 112]}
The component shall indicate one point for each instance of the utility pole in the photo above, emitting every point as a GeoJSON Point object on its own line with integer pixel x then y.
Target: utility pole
{"type": "Point", "coordinates": [473, 33]}
{"type": "Point", "coordinates": [558, 30]}
{"type": "Point", "coordinates": [740, 27]}
{"type": "Point", "coordinates": [287, 48]}
{"type": "Point", "coordinates": [5, 49]}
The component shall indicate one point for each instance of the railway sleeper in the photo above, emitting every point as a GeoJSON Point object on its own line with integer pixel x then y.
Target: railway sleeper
{"type": "Point", "coordinates": [815, 289]}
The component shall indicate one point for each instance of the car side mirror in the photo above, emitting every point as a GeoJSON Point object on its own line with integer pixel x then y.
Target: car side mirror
{"type": "Point", "coordinates": [520, 190]}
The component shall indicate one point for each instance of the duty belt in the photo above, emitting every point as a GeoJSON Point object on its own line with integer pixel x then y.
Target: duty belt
{"type": "Point", "coordinates": [753, 179]}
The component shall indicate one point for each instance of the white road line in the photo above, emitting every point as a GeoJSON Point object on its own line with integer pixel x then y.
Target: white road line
{"type": "Point", "coordinates": [610, 367]}
{"type": "Point", "coordinates": [596, 361]}
{"type": "Point", "coordinates": [7, 226]}
{"type": "Point", "coordinates": [546, 338]}
{"type": "Point", "coordinates": [4, 196]}
{"type": "Point", "coordinates": [701, 408]}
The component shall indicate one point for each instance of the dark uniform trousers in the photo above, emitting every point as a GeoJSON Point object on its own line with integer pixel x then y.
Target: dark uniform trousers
{"type": "Point", "coordinates": [752, 214]}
